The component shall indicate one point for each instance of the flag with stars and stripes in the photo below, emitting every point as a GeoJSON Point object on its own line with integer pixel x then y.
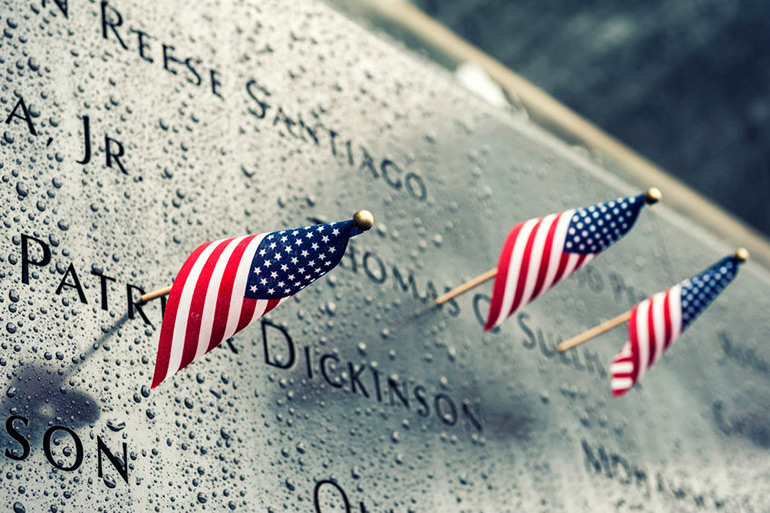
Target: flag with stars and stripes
{"type": "Point", "coordinates": [658, 321]}
{"type": "Point", "coordinates": [227, 284]}
{"type": "Point", "coordinates": [540, 252]}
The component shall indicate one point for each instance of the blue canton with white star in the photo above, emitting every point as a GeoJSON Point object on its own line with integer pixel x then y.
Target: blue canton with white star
{"type": "Point", "coordinates": [593, 229]}
{"type": "Point", "coordinates": [698, 292]}
{"type": "Point", "coordinates": [290, 260]}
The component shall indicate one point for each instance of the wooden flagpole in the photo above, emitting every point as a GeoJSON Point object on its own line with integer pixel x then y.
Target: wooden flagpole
{"type": "Point", "coordinates": [155, 294]}
{"type": "Point", "coordinates": [363, 220]}
{"type": "Point", "coordinates": [465, 287]}
{"type": "Point", "coordinates": [595, 331]}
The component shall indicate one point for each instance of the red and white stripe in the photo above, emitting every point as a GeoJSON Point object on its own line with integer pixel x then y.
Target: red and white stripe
{"type": "Point", "coordinates": [655, 324]}
{"type": "Point", "coordinates": [207, 305]}
{"type": "Point", "coordinates": [532, 260]}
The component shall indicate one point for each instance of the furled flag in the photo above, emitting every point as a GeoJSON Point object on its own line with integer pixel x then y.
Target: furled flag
{"type": "Point", "coordinates": [658, 321]}
{"type": "Point", "coordinates": [227, 284]}
{"type": "Point", "coordinates": [540, 252]}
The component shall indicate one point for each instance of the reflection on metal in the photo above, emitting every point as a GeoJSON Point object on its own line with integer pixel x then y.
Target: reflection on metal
{"type": "Point", "coordinates": [408, 22]}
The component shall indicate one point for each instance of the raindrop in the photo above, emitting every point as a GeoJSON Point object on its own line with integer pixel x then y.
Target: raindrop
{"type": "Point", "coordinates": [22, 189]}
{"type": "Point", "coordinates": [109, 481]}
{"type": "Point", "coordinates": [116, 425]}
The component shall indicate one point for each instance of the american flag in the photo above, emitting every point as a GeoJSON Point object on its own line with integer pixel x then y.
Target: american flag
{"type": "Point", "coordinates": [658, 321]}
{"type": "Point", "coordinates": [540, 252]}
{"type": "Point", "coordinates": [227, 284]}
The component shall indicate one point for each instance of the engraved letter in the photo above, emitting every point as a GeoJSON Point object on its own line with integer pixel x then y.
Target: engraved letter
{"type": "Point", "coordinates": [103, 281]}
{"type": "Point", "coordinates": [75, 285]}
{"type": "Point", "coordinates": [25, 447]}
{"type": "Point", "coordinates": [389, 164]}
{"type": "Point", "coordinates": [113, 25]}
{"type": "Point", "coordinates": [215, 82]}
{"type": "Point", "coordinates": [289, 343]}
{"type": "Point", "coordinates": [531, 341]}
{"type": "Point", "coordinates": [473, 417]}
{"type": "Point", "coordinates": [25, 260]}
{"type": "Point", "coordinates": [108, 142]}
{"type": "Point", "coordinates": [143, 45]}
{"type": "Point", "coordinates": [24, 118]}
{"type": "Point", "coordinates": [317, 490]}
{"type": "Point", "coordinates": [263, 106]}
{"type": "Point", "coordinates": [325, 370]}
{"type": "Point", "coordinates": [450, 417]}
{"type": "Point", "coordinates": [355, 377]}
{"type": "Point", "coordinates": [86, 141]}
{"type": "Point", "coordinates": [419, 394]}
{"type": "Point", "coordinates": [62, 4]}
{"type": "Point", "coordinates": [394, 390]}
{"type": "Point", "coordinates": [49, 455]}
{"type": "Point", "coordinates": [122, 469]}
{"type": "Point", "coordinates": [135, 305]}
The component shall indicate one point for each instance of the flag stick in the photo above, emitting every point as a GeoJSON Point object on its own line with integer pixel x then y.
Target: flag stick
{"type": "Point", "coordinates": [363, 220]}
{"type": "Point", "coordinates": [155, 293]}
{"type": "Point", "coordinates": [595, 331]}
{"type": "Point", "coordinates": [465, 287]}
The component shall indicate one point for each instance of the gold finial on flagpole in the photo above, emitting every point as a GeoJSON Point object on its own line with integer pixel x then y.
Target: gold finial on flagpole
{"type": "Point", "coordinates": [741, 255]}
{"type": "Point", "coordinates": [653, 195]}
{"type": "Point", "coordinates": [363, 220]}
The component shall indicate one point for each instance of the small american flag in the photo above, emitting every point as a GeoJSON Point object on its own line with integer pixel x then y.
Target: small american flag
{"type": "Point", "coordinates": [540, 252]}
{"type": "Point", "coordinates": [658, 321]}
{"type": "Point", "coordinates": [227, 284]}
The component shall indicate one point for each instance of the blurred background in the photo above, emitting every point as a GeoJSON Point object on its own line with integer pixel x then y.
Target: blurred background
{"type": "Point", "coordinates": [686, 84]}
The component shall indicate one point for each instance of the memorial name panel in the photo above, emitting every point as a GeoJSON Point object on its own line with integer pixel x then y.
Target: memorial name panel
{"type": "Point", "coordinates": [132, 132]}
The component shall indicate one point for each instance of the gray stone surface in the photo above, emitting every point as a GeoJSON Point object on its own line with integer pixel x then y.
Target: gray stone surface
{"type": "Point", "coordinates": [495, 422]}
